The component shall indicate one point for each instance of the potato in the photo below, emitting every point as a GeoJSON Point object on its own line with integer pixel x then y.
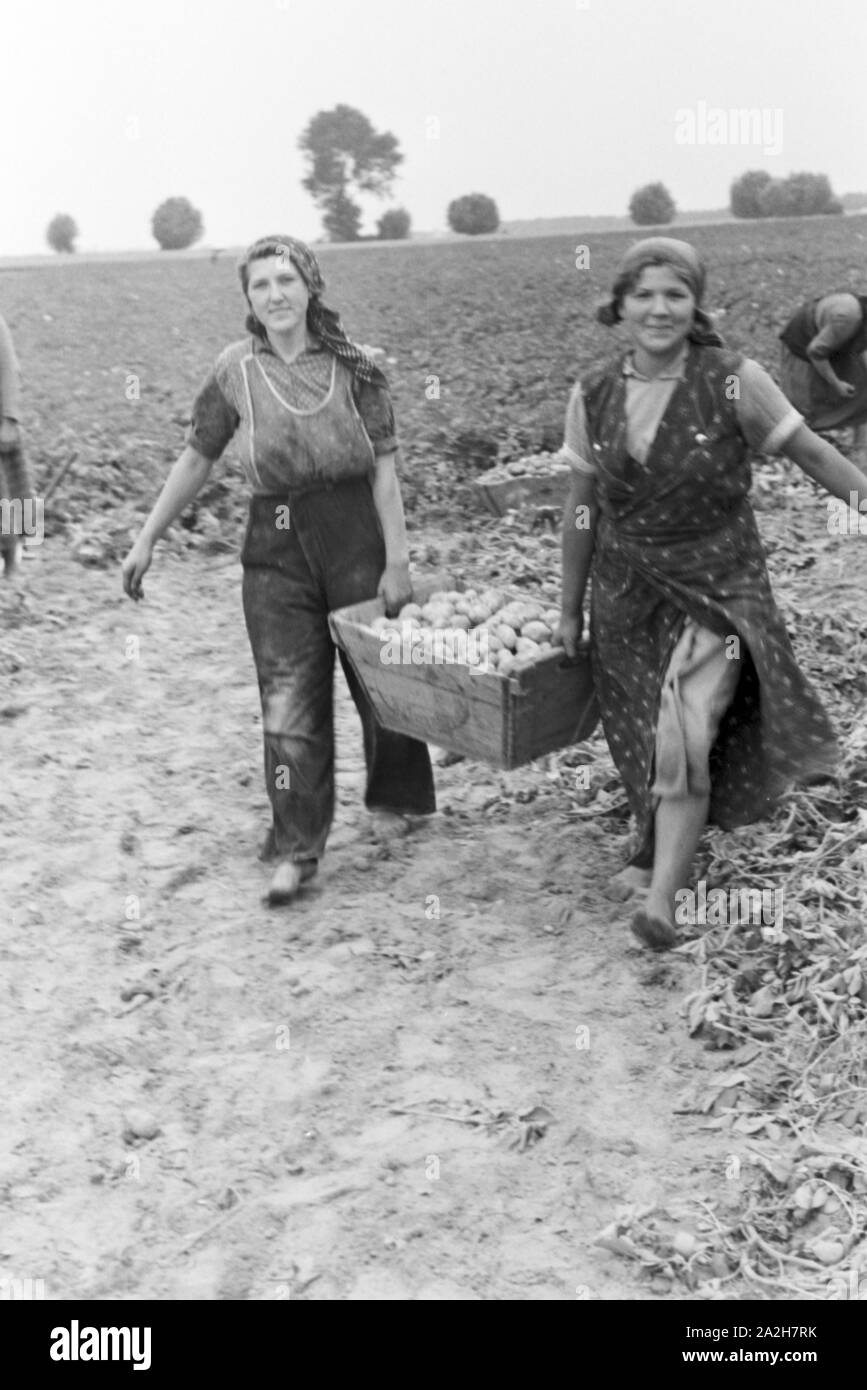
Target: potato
{"type": "Point", "coordinates": [530, 612]}
{"type": "Point", "coordinates": [508, 620]}
{"type": "Point", "coordinates": [379, 623]}
{"type": "Point", "coordinates": [460, 620]}
{"type": "Point", "coordinates": [435, 610]}
{"type": "Point", "coordinates": [410, 610]}
{"type": "Point", "coordinates": [506, 664]}
{"type": "Point", "coordinates": [526, 649]}
{"type": "Point", "coordinates": [477, 614]}
{"type": "Point", "coordinates": [492, 599]}
{"type": "Point", "coordinates": [507, 635]}
{"type": "Point", "coordinates": [536, 631]}
{"type": "Point", "coordinates": [493, 643]}
{"type": "Point", "coordinates": [552, 617]}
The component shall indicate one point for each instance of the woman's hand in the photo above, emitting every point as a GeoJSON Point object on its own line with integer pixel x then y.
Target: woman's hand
{"type": "Point", "coordinates": [570, 627]}
{"type": "Point", "coordinates": [10, 435]}
{"type": "Point", "coordinates": [845, 390]}
{"type": "Point", "coordinates": [395, 587]}
{"type": "Point", "coordinates": [135, 567]}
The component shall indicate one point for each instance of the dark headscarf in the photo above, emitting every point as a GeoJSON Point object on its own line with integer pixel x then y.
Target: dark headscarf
{"type": "Point", "coordinates": [684, 260]}
{"type": "Point", "coordinates": [322, 322]}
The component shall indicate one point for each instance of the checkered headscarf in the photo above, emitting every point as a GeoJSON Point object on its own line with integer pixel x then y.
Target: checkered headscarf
{"type": "Point", "coordinates": [323, 322]}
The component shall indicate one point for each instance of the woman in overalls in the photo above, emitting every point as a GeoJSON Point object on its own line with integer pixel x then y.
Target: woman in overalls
{"type": "Point", "coordinates": [326, 529]}
{"type": "Point", "coordinates": [705, 710]}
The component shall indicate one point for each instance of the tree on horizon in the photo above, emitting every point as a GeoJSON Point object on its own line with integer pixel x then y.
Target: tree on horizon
{"type": "Point", "coordinates": [61, 232]}
{"type": "Point", "coordinates": [345, 155]}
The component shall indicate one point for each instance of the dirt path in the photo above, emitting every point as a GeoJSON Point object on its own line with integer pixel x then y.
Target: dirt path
{"type": "Point", "coordinates": [290, 1067]}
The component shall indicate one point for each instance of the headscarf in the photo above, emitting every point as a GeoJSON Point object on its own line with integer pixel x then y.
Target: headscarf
{"type": "Point", "coordinates": [322, 322]}
{"type": "Point", "coordinates": [684, 260]}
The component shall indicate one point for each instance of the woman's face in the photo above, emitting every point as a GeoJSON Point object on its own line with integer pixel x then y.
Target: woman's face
{"type": "Point", "coordinates": [658, 311]}
{"type": "Point", "coordinates": [277, 293]}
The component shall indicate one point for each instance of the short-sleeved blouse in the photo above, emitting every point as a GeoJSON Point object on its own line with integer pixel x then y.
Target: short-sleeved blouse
{"type": "Point", "coordinates": [306, 382]}
{"type": "Point", "coordinates": [766, 418]}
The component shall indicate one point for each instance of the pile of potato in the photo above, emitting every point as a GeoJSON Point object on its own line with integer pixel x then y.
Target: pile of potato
{"type": "Point", "coordinates": [516, 631]}
{"type": "Point", "coordinates": [533, 466]}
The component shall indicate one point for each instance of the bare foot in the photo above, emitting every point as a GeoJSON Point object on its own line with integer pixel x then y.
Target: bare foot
{"type": "Point", "coordinates": [628, 882]}
{"type": "Point", "coordinates": [655, 932]}
{"type": "Point", "coordinates": [652, 924]}
{"type": "Point", "coordinates": [288, 880]}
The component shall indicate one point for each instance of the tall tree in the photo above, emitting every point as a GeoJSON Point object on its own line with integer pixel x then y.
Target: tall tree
{"type": "Point", "coordinates": [346, 155]}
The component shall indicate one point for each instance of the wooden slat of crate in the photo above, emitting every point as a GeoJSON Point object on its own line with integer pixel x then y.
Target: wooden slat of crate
{"type": "Point", "coordinates": [558, 707]}
{"type": "Point", "coordinates": [503, 721]}
{"type": "Point", "coordinates": [524, 491]}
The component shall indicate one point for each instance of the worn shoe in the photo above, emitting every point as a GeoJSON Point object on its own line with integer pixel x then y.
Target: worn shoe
{"type": "Point", "coordinates": [288, 880]}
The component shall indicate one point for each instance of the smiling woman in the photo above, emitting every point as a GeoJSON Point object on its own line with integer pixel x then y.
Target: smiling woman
{"type": "Point", "coordinates": [326, 529]}
{"type": "Point", "coordinates": [704, 708]}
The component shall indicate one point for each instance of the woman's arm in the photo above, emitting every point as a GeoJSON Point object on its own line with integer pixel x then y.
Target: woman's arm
{"type": "Point", "coordinates": [579, 537]}
{"type": "Point", "coordinates": [827, 373]}
{"type": "Point", "coordinates": [827, 466]}
{"type": "Point", "coordinates": [395, 585]}
{"type": "Point", "coordinates": [188, 475]}
{"type": "Point", "coordinates": [9, 391]}
{"type": "Point", "coordinates": [838, 318]}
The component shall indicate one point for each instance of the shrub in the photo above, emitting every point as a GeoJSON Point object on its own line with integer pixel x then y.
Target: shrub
{"type": "Point", "coordinates": [652, 205]}
{"type": "Point", "coordinates": [473, 214]}
{"type": "Point", "coordinates": [61, 232]}
{"type": "Point", "coordinates": [756, 194]}
{"type": "Point", "coordinates": [176, 224]}
{"type": "Point", "coordinates": [394, 225]}
{"type": "Point", "coordinates": [745, 195]}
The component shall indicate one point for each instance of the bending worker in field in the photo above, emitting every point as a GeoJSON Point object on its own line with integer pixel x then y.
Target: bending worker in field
{"type": "Point", "coordinates": [326, 529]}
{"type": "Point", "coordinates": [824, 363]}
{"type": "Point", "coordinates": [703, 705]}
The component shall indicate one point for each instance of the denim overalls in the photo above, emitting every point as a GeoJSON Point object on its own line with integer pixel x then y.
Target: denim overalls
{"type": "Point", "coordinates": [315, 546]}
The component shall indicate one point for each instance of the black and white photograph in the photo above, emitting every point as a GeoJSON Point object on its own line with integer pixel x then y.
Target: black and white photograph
{"type": "Point", "coordinates": [433, 665]}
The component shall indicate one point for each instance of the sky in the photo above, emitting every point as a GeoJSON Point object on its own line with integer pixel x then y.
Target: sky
{"type": "Point", "coordinates": [552, 107]}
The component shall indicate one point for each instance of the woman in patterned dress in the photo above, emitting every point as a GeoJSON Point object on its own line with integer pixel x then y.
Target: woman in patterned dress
{"type": "Point", "coordinates": [705, 710]}
{"type": "Point", "coordinates": [326, 529]}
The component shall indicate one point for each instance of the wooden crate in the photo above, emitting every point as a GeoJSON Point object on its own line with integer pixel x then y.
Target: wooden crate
{"type": "Point", "coordinates": [525, 490]}
{"type": "Point", "coordinates": [500, 720]}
